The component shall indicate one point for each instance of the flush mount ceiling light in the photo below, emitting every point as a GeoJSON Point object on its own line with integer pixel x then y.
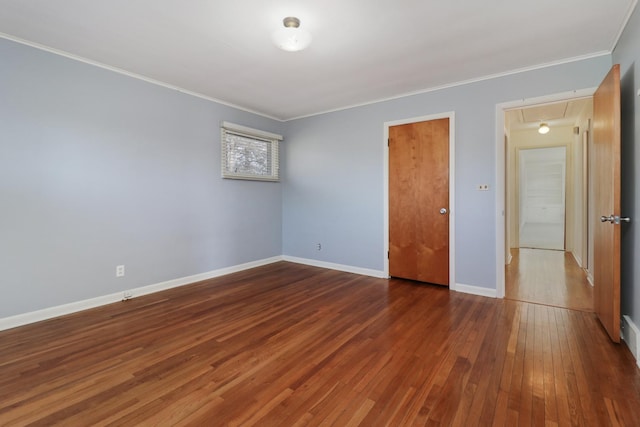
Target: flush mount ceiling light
{"type": "Point", "coordinates": [291, 38]}
{"type": "Point", "coordinates": [543, 129]}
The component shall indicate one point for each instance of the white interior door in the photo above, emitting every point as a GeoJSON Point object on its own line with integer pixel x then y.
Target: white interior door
{"type": "Point", "coordinates": [542, 197]}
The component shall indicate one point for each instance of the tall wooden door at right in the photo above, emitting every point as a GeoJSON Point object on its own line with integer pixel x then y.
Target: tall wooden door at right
{"type": "Point", "coordinates": [606, 143]}
{"type": "Point", "coordinates": [419, 201]}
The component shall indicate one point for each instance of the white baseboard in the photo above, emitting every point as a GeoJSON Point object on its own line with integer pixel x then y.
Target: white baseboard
{"type": "Point", "coordinates": [589, 277]}
{"type": "Point", "coordinates": [476, 290]}
{"type": "Point", "coordinates": [467, 289]}
{"type": "Point", "coordinates": [340, 267]}
{"type": "Point", "coordinates": [631, 337]}
{"type": "Point", "coordinates": [61, 310]}
{"type": "Point", "coordinates": [577, 258]}
{"type": "Point", "coordinates": [145, 290]}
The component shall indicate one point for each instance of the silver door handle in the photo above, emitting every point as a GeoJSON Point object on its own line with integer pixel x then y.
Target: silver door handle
{"type": "Point", "coordinates": [443, 211]}
{"type": "Point", "coordinates": [606, 218]}
{"type": "Point", "coordinates": [614, 219]}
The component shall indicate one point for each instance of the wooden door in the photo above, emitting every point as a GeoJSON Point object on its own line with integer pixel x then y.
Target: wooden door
{"type": "Point", "coordinates": [606, 141]}
{"type": "Point", "coordinates": [419, 201]}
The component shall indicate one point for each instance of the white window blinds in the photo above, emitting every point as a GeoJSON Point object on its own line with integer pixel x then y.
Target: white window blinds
{"type": "Point", "coordinates": [249, 153]}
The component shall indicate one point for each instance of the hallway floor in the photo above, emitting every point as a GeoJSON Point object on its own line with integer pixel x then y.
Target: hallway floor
{"type": "Point", "coordinates": [548, 277]}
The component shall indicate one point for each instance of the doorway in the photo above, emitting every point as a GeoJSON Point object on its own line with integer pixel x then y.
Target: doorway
{"type": "Point", "coordinates": [542, 238]}
{"type": "Point", "coordinates": [449, 118]}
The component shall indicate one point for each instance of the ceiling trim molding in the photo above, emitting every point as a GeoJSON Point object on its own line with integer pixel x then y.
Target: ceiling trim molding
{"type": "Point", "coordinates": [362, 104]}
{"type": "Point", "coordinates": [625, 21]}
{"type": "Point", "coordinates": [132, 75]}
{"type": "Point", "coordinates": [461, 83]}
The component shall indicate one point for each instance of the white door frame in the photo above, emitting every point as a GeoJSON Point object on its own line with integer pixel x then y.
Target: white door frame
{"type": "Point", "coordinates": [500, 170]}
{"type": "Point", "coordinates": [451, 116]}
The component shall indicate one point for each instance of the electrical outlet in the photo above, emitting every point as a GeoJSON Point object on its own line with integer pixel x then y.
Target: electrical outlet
{"type": "Point", "coordinates": [127, 295]}
{"type": "Point", "coordinates": [483, 187]}
{"type": "Point", "coordinates": [319, 246]}
{"type": "Point", "coordinates": [119, 270]}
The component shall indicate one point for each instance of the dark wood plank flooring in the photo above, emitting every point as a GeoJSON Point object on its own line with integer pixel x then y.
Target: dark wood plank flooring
{"type": "Point", "coordinates": [548, 277]}
{"type": "Point", "coordinates": [293, 345]}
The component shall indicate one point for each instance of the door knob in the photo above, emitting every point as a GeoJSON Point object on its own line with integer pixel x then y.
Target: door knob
{"type": "Point", "coordinates": [614, 219]}
{"type": "Point", "coordinates": [606, 218]}
{"type": "Point", "coordinates": [443, 211]}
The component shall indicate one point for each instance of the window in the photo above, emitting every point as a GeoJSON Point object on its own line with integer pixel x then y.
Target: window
{"type": "Point", "coordinates": [249, 153]}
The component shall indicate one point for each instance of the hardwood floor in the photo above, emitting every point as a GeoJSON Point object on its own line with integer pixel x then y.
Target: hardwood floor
{"type": "Point", "coordinates": [548, 277]}
{"type": "Point", "coordinates": [293, 345]}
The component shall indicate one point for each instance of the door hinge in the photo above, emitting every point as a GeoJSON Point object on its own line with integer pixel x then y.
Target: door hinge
{"type": "Point", "coordinates": [388, 142]}
{"type": "Point", "coordinates": [387, 254]}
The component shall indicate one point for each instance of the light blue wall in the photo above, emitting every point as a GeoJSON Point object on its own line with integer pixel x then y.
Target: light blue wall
{"type": "Point", "coordinates": [627, 54]}
{"type": "Point", "coordinates": [99, 169]}
{"type": "Point", "coordinates": [333, 193]}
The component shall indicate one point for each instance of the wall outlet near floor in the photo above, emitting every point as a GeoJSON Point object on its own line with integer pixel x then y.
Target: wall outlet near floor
{"type": "Point", "coordinates": [119, 270]}
{"type": "Point", "coordinates": [319, 246]}
{"type": "Point", "coordinates": [483, 187]}
{"type": "Point", "coordinates": [127, 295]}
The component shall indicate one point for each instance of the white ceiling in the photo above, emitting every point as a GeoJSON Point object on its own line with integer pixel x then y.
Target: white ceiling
{"type": "Point", "coordinates": [362, 50]}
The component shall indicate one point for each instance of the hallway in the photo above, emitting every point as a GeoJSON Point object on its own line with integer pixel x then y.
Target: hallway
{"type": "Point", "coordinates": [548, 277]}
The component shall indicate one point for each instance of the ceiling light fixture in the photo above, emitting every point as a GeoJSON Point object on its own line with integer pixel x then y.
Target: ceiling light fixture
{"type": "Point", "coordinates": [543, 129]}
{"type": "Point", "coordinates": [291, 38]}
